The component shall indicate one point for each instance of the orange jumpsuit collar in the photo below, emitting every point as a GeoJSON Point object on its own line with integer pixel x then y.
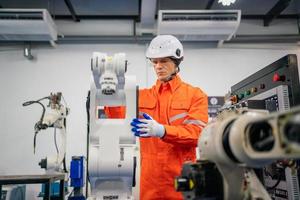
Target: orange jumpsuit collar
{"type": "Point", "coordinates": [174, 84]}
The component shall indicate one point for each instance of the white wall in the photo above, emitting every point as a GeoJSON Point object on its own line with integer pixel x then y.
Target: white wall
{"type": "Point", "coordinates": [66, 68]}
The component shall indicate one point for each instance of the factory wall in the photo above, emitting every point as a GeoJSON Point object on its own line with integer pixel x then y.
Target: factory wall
{"type": "Point", "coordinates": [66, 68]}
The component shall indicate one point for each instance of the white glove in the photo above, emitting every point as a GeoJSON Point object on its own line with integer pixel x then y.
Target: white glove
{"type": "Point", "coordinates": [147, 127]}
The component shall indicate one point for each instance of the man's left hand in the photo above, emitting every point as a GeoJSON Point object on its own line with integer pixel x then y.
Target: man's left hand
{"type": "Point", "coordinates": [147, 127]}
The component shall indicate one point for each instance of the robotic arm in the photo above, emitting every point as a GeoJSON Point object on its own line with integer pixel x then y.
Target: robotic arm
{"type": "Point", "coordinates": [112, 147]}
{"type": "Point", "coordinates": [231, 147]}
{"type": "Point", "coordinates": [55, 117]}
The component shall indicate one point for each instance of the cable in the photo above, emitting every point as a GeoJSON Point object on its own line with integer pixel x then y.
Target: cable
{"type": "Point", "coordinates": [64, 164]}
{"type": "Point", "coordinates": [32, 102]}
{"type": "Point", "coordinates": [34, 142]}
{"type": "Point", "coordinates": [87, 105]}
{"type": "Point", "coordinates": [275, 185]}
{"type": "Point", "coordinates": [279, 174]}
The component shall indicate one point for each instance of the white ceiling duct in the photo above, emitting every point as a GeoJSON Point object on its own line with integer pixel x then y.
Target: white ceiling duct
{"type": "Point", "coordinates": [199, 25]}
{"type": "Point", "coordinates": [27, 25]}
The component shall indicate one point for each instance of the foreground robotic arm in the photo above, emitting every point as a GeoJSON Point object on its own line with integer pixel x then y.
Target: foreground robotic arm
{"type": "Point", "coordinates": [230, 147]}
{"type": "Point", "coordinates": [55, 117]}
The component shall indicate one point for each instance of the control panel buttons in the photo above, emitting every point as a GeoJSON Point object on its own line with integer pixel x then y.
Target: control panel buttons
{"type": "Point", "coordinates": [248, 92]}
{"type": "Point", "coordinates": [277, 77]}
{"type": "Point", "coordinates": [262, 86]}
{"type": "Point", "coordinates": [253, 90]}
{"type": "Point", "coordinates": [240, 96]}
{"type": "Point", "coordinates": [234, 99]}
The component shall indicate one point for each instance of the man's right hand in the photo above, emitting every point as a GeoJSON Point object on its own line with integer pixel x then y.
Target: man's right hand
{"type": "Point", "coordinates": [147, 127]}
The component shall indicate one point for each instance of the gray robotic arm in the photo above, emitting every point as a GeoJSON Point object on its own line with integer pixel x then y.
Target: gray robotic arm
{"type": "Point", "coordinates": [231, 147]}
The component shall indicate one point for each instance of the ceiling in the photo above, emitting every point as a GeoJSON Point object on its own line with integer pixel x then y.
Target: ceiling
{"type": "Point", "coordinates": [145, 12]}
{"type": "Point", "coordinates": [131, 9]}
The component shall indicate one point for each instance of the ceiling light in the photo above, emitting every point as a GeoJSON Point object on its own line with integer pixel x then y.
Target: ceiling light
{"type": "Point", "coordinates": [226, 2]}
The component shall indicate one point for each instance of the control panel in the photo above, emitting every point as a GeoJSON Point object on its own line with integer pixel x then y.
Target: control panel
{"type": "Point", "coordinates": [282, 72]}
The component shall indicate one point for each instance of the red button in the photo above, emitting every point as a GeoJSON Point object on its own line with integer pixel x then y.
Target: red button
{"type": "Point", "coordinates": [234, 99]}
{"type": "Point", "coordinates": [276, 77]}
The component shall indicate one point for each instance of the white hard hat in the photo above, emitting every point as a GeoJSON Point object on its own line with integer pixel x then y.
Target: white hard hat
{"type": "Point", "coordinates": [165, 46]}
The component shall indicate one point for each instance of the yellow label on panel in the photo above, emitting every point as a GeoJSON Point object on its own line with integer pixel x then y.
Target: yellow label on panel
{"type": "Point", "coordinates": [191, 184]}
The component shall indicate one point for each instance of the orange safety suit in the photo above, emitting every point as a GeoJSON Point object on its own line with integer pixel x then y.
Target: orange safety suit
{"type": "Point", "coordinates": [183, 110]}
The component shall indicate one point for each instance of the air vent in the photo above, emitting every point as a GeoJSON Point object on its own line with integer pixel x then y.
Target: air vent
{"type": "Point", "coordinates": [199, 25]}
{"type": "Point", "coordinates": [27, 25]}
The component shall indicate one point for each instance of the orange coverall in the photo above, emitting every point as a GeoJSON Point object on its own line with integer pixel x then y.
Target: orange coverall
{"type": "Point", "coordinates": [183, 110]}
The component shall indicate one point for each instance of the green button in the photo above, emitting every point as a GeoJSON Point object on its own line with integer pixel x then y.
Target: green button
{"type": "Point", "coordinates": [247, 92]}
{"type": "Point", "coordinates": [240, 96]}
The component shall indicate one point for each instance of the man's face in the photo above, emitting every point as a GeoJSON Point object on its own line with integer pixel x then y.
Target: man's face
{"type": "Point", "coordinates": [164, 68]}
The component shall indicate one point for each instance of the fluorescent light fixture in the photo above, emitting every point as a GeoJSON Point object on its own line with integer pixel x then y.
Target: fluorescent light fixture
{"type": "Point", "coordinates": [226, 2]}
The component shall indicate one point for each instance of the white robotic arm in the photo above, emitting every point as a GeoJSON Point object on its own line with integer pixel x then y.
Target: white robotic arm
{"type": "Point", "coordinates": [55, 117]}
{"type": "Point", "coordinates": [112, 146]}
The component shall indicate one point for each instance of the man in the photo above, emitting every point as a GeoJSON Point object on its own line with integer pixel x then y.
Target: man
{"type": "Point", "coordinates": [172, 116]}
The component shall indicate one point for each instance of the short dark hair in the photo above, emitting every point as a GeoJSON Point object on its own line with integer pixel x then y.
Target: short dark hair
{"type": "Point", "coordinates": [176, 61]}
